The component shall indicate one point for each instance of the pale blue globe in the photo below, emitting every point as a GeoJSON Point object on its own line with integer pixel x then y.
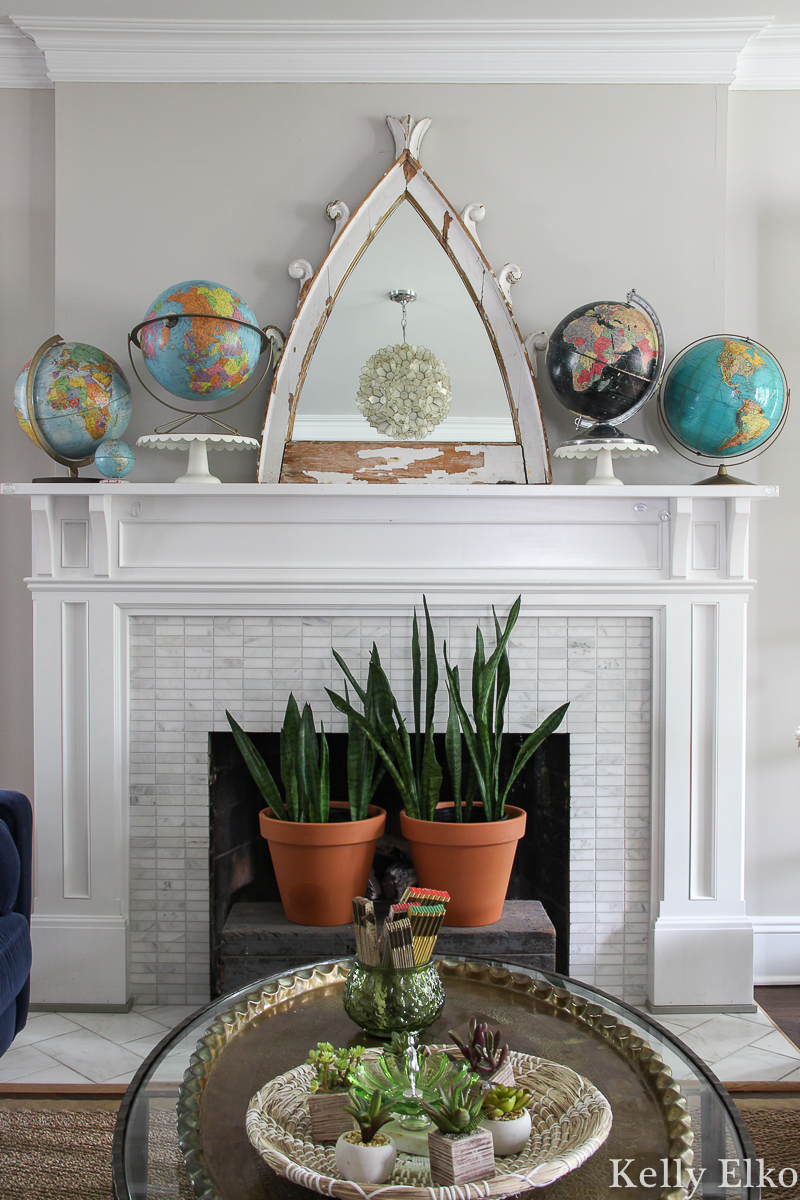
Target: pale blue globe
{"type": "Point", "coordinates": [114, 459]}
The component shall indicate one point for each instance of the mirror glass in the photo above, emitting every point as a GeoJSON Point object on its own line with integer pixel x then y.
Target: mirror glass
{"type": "Point", "coordinates": [404, 254]}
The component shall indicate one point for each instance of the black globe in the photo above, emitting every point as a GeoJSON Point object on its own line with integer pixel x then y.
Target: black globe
{"type": "Point", "coordinates": [603, 360]}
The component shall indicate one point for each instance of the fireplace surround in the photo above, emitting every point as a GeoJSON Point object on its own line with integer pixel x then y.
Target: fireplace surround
{"type": "Point", "coordinates": [144, 596]}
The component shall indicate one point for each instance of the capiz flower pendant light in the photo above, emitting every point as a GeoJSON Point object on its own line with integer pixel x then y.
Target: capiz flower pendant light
{"type": "Point", "coordinates": [404, 391]}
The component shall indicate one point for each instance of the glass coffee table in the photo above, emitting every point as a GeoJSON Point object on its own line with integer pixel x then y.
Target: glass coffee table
{"type": "Point", "coordinates": [181, 1133]}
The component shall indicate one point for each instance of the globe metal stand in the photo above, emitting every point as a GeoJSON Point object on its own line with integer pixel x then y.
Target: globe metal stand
{"type": "Point", "coordinates": [198, 445]}
{"type": "Point", "coordinates": [604, 450]}
{"type": "Point", "coordinates": [271, 338]}
{"type": "Point", "coordinates": [71, 463]}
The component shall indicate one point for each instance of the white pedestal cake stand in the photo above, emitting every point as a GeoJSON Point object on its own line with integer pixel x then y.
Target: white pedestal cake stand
{"type": "Point", "coordinates": [604, 450]}
{"type": "Point", "coordinates": [198, 445]}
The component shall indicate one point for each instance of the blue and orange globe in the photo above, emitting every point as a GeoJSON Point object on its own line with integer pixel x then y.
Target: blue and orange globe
{"type": "Point", "coordinates": [197, 351]}
{"type": "Point", "coordinates": [80, 398]}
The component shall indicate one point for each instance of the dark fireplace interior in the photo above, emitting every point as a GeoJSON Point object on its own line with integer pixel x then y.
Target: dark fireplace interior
{"type": "Point", "coordinates": [241, 868]}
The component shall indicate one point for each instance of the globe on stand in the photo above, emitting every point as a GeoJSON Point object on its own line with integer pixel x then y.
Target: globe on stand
{"type": "Point", "coordinates": [114, 459]}
{"type": "Point", "coordinates": [604, 362]}
{"type": "Point", "coordinates": [200, 342]}
{"type": "Point", "coordinates": [724, 399]}
{"type": "Point", "coordinates": [69, 399]}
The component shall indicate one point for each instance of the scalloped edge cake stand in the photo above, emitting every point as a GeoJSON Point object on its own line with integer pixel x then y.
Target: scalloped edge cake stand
{"type": "Point", "coordinates": [198, 445]}
{"type": "Point", "coordinates": [604, 450]}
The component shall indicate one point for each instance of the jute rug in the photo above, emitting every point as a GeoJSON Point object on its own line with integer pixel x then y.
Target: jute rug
{"type": "Point", "coordinates": [57, 1155]}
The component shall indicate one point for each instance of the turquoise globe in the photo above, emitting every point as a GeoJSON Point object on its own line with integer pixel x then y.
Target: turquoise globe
{"type": "Point", "coordinates": [114, 459]}
{"type": "Point", "coordinates": [724, 397]}
{"type": "Point", "coordinates": [202, 355]}
{"type": "Point", "coordinates": [80, 398]}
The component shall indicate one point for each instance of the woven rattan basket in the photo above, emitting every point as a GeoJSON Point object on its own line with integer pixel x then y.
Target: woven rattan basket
{"type": "Point", "coordinates": [571, 1119]}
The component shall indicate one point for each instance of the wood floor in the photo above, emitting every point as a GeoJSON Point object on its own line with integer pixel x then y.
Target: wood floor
{"type": "Point", "coordinates": [783, 1005]}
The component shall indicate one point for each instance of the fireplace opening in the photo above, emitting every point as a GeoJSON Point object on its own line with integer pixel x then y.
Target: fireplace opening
{"type": "Point", "coordinates": [241, 868]}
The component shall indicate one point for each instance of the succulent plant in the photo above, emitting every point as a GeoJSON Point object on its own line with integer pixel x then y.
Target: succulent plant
{"type": "Point", "coordinates": [335, 1068]}
{"type": "Point", "coordinates": [305, 767]}
{"type": "Point", "coordinates": [370, 1116]}
{"type": "Point", "coordinates": [483, 1051]}
{"type": "Point", "coordinates": [458, 1110]}
{"type": "Point", "coordinates": [504, 1102]}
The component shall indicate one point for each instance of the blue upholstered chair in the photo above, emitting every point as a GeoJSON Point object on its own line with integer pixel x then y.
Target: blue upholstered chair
{"type": "Point", "coordinates": [15, 914]}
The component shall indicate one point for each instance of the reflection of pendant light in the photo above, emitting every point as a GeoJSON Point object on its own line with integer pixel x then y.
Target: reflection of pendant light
{"type": "Point", "coordinates": [404, 391]}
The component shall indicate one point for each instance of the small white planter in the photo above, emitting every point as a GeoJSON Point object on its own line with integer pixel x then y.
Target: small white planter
{"type": "Point", "coordinates": [509, 1137]}
{"type": "Point", "coordinates": [365, 1164]}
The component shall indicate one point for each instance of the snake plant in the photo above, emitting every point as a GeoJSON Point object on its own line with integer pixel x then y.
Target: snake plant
{"type": "Point", "coordinates": [413, 767]}
{"type": "Point", "coordinates": [305, 767]}
{"type": "Point", "coordinates": [491, 680]}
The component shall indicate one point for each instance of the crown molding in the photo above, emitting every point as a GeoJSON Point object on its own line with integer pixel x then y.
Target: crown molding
{"type": "Point", "coordinates": [143, 50]}
{"type": "Point", "coordinates": [22, 63]}
{"type": "Point", "coordinates": [771, 61]}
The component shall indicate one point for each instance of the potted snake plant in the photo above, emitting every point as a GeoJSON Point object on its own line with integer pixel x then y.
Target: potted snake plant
{"type": "Point", "coordinates": [464, 843]}
{"type": "Point", "coordinates": [321, 849]}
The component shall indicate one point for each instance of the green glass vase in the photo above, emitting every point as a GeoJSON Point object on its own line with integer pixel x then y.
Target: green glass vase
{"type": "Point", "coordinates": [387, 1000]}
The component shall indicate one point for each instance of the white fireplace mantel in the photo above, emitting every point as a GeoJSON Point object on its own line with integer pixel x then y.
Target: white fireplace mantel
{"type": "Point", "coordinates": [106, 553]}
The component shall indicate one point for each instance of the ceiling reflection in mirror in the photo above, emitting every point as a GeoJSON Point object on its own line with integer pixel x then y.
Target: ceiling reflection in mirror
{"type": "Point", "coordinates": [443, 319]}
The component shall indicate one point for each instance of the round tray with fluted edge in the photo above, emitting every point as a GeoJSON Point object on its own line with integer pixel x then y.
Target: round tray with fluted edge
{"type": "Point", "coordinates": [571, 1119]}
{"type": "Point", "coordinates": [640, 1056]}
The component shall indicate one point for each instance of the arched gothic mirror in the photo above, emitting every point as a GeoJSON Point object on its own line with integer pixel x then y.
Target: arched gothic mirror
{"type": "Point", "coordinates": [404, 362]}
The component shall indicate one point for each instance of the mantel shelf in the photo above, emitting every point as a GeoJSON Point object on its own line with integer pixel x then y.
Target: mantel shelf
{"type": "Point", "coordinates": [474, 491]}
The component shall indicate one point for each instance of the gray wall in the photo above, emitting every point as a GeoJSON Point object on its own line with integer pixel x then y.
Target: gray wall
{"type": "Point", "coordinates": [26, 320]}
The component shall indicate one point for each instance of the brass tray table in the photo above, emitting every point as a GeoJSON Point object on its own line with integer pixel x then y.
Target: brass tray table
{"type": "Point", "coordinates": [181, 1128]}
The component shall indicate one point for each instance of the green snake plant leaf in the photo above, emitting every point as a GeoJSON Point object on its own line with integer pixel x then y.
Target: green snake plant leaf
{"type": "Point", "coordinates": [408, 795]}
{"type": "Point", "coordinates": [452, 747]}
{"type": "Point", "coordinates": [431, 779]}
{"type": "Point", "coordinates": [531, 745]}
{"type": "Point", "coordinates": [257, 768]}
{"type": "Point", "coordinates": [308, 764]}
{"type": "Point", "coordinates": [416, 692]}
{"type": "Point", "coordinates": [488, 673]}
{"type": "Point", "coordinates": [324, 776]}
{"type": "Point", "coordinates": [469, 733]}
{"type": "Point", "coordinates": [478, 663]}
{"type": "Point", "coordinates": [290, 735]}
{"type": "Point", "coordinates": [431, 670]}
{"type": "Point", "coordinates": [349, 675]}
{"type": "Point", "coordinates": [503, 684]}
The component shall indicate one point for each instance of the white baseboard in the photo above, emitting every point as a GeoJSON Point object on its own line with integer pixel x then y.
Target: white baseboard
{"type": "Point", "coordinates": [79, 960]}
{"type": "Point", "coordinates": [776, 950]}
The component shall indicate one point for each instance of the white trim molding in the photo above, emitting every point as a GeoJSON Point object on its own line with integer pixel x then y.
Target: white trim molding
{"type": "Point", "coordinates": [776, 950]}
{"type": "Point", "coordinates": [22, 63]}
{"type": "Point", "coordinates": [144, 50]}
{"type": "Point", "coordinates": [770, 61]}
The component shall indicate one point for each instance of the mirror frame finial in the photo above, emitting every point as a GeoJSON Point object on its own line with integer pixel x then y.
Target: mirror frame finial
{"type": "Point", "coordinates": [408, 134]}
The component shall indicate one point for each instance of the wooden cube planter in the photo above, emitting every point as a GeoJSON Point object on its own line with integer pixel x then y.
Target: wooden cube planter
{"type": "Point", "coordinates": [503, 1075]}
{"type": "Point", "coordinates": [328, 1118]}
{"type": "Point", "coordinates": [462, 1159]}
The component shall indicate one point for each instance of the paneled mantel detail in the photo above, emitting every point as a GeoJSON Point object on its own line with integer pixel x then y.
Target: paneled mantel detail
{"type": "Point", "coordinates": [106, 555]}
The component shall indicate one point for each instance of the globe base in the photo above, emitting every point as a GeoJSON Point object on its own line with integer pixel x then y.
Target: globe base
{"type": "Point", "coordinates": [722, 479]}
{"type": "Point", "coordinates": [66, 479]}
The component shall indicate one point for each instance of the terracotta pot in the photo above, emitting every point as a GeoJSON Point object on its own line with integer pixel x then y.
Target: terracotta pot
{"type": "Point", "coordinates": [321, 867]}
{"type": "Point", "coordinates": [472, 861]}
